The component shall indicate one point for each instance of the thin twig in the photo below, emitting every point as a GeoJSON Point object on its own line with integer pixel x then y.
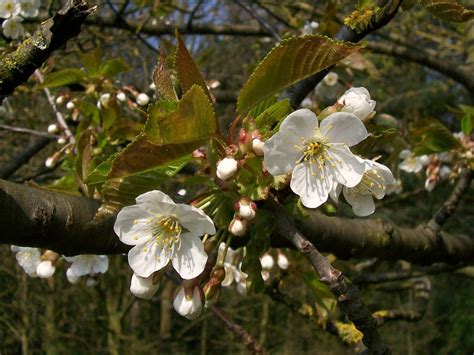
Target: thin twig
{"type": "Point", "coordinates": [260, 20]}
{"type": "Point", "coordinates": [27, 131]}
{"type": "Point", "coordinates": [449, 206]}
{"type": "Point", "coordinates": [246, 337]}
{"type": "Point", "coordinates": [347, 295]}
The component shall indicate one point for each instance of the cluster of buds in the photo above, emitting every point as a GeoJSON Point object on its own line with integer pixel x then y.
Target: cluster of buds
{"type": "Point", "coordinates": [246, 210]}
{"type": "Point", "coordinates": [268, 262]}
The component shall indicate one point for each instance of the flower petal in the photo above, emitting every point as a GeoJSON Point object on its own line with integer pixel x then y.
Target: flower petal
{"type": "Point", "coordinates": [343, 127]}
{"type": "Point", "coordinates": [362, 205]}
{"type": "Point", "coordinates": [311, 184]}
{"type": "Point", "coordinates": [145, 259]}
{"type": "Point", "coordinates": [130, 225]}
{"type": "Point", "coordinates": [194, 220]}
{"type": "Point", "coordinates": [345, 167]}
{"type": "Point", "coordinates": [156, 202]}
{"type": "Point", "coordinates": [300, 123]}
{"type": "Point", "coordinates": [190, 259]}
{"type": "Point", "coordinates": [281, 153]}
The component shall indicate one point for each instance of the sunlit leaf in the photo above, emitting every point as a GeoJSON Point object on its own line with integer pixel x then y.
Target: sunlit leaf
{"type": "Point", "coordinates": [162, 80]}
{"type": "Point", "coordinates": [292, 60]}
{"type": "Point", "coordinates": [112, 67]}
{"type": "Point", "coordinates": [432, 137]}
{"type": "Point", "coordinates": [62, 77]}
{"type": "Point", "coordinates": [194, 119]}
{"type": "Point", "coordinates": [449, 10]}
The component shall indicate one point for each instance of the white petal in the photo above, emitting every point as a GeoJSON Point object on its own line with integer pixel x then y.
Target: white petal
{"type": "Point", "coordinates": [156, 202]}
{"type": "Point", "coordinates": [194, 220]}
{"type": "Point", "coordinates": [345, 167]}
{"type": "Point", "coordinates": [191, 308]}
{"type": "Point", "coordinates": [130, 225]}
{"type": "Point", "coordinates": [281, 153]}
{"type": "Point", "coordinates": [101, 264]}
{"type": "Point", "coordinates": [343, 127]}
{"type": "Point", "coordinates": [82, 265]}
{"type": "Point", "coordinates": [143, 287]}
{"type": "Point", "coordinates": [190, 259]}
{"type": "Point", "coordinates": [313, 189]}
{"type": "Point", "coordinates": [300, 123]}
{"type": "Point", "coordinates": [335, 192]}
{"type": "Point", "coordinates": [383, 170]}
{"type": "Point", "coordinates": [362, 205]}
{"type": "Point", "coordinates": [145, 259]}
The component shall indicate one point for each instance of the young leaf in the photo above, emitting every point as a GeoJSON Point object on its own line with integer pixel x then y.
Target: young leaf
{"type": "Point", "coordinates": [448, 10]}
{"type": "Point", "coordinates": [269, 119]}
{"type": "Point", "coordinates": [62, 77]}
{"type": "Point", "coordinates": [292, 60]}
{"type": "Point", "coordinates": [162, 80]}
{"type": "Point", "coordinates": [186, 69]}
{"type": "Point", "coordinates": [112, 67]}
{"type": "Point", "coordinates": [433, 137]}
{"type": "Point", "coordinates": [194, 119]}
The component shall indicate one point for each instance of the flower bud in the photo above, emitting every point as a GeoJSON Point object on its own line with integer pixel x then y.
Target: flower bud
{"type": "Point", "coordinates": [188, 305]}
{"type": "Point", "coordinates": [70, 105]}
{"type": "Point", "coordinates": [267, 261]}
{"type": "Point", "coordinates": [226, 168]}
{"type": "Point", "coordinates": [152, 86]}
{"type": "Point", "coordinates": [45, 269]}
{"type": "Point", "coordinates": [244, 141]}
{"type": "Point", "coordinates": [144, 287]}
{"type": "Point", "coordinates": [282, 261]}
{"type": "Point", "coordinates": [246, 208]}
{"type": "Point", "coordinates": [331, 79]}
{"type": "Point", "coordinates": [62, 140]}
{"type": "Point", "coordinates": [72, 277]}
{"type": "Point", "coordinates": [121, 97]}
{"type": "Point", "coordinates": [52, 160]}
{"type": "Point", "coordinates": [143, 99]}
{"type": "Point", "coordinates": [53, 129]}
{"type": "Point", "coordinates": [257, 147]}
{"type": "Point", "coordinates": [60, 100]}
{"type": "Point", "coordinates": [212, 289]}
{"type": "Point", "coordinates": [357, 101]}
{"type": "Point", "coordinates": [238, 227]}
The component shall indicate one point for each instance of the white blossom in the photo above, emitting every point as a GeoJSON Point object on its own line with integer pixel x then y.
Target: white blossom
{"type": "Point", "coordinates": [70, 105]}
{"type": "Point", "coordinates": [331, 78]}
{"type": "Point", "coordinates": [238, 227]}
{"type": "Point", "coordinates": [53, 128]}
{"type": "Point", "coordinates": [88, 264]}
{"type": "Point", "coordinates": [121, 96]}
{"type": "Point", "coordinates": [373, 184]}
{"type": "Point", "coordinates": [45, 269]}
{"type": "Point", "coordinates": [257, 147]}
{"type": "Point", "coordinates": [9, 8]}
{"type": "Point", "coordinates": [72, 277]}
{"type": "Point", "coordinates": [226, 168]}
{"type": "Point", "coordinates": [143, 99]}
{"type": "Point", "coordinates": [282, 261]}
{"type": "Point", "coordinates": [318, 156]}
{"type": "Point", "coordinates": [189, 306]}
{"type": "Point", "coordinates": [394, 188]}
{"type": "Point", "coordinates": [246, 208]}
{"type": "Point", "coordinates": [357, 101]}
{"type": "Point", "coordinates": [143, 287]}
{"type": "Point", "coordinates": [162, 231]}
{"type": "Point", "coordinates": [12, 27]}
{"type": "Point", "coordinates": [410, 163]}
{"type": "Point", "coordinates": [30, 8]}
{"type": "Point", "coordinates": [27, 258]}
{"type": "Point", "coordinates": [267, 262]}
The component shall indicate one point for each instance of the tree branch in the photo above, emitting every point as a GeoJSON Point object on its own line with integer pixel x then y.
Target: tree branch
{"type": "Point", "coordinates": [16, 67]}
{"type": "Point", "coordinates": [347, 295]}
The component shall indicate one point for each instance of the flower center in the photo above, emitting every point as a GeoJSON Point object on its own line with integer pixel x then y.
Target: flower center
{"type": "Point", "coordinates": [314, 150]}
{"type": "Point", "coordinates": [371, 182]}
{"type": "Point", "coordinates": [165, 229]}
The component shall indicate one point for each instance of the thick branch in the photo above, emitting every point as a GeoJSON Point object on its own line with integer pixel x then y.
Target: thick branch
{"type": "Point", "coordinates": [16, 67]}
{"type": "Point", "coordinates": [347, 295]}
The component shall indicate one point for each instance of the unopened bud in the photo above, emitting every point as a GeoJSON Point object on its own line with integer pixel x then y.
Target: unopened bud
{"type": "Point", "coordinates": [70, 105]}
{"type": "Point", "coordinates": [282, 261]}
{"type": "Point", "coordinates": [144, 287]}
{"type": "Point", "coordinates": [257, 147]}
{"type": "Point", "coordinates": [60, 100]}
{"type": "Point", "coordinates": [212, 289]}
{"type": "Point", "coordinates": [188, 304]}
{"type": "Point", "coordinates": [246, 208]}
{"type": "Point", "coordinates": [45, 269]}
{"type": "Point", "coordinates": [267, 261]}
{"type": "Point", "coordinates": [53, 129]}
{"type": "Point", "coordinates": [121, 97]}
{"type": "Point", "coordinates": [62, 140]}
{"type": "Point", "coordinates": [226, 168]}
{"type": "Point", "coordinates": [244, 141]}
{"type": "Point", "coordinates": [143, 99]}
{"type": "Point", "coordinates": [238, 227]}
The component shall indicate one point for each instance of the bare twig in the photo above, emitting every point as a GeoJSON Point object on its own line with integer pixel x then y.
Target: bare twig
{"type": "Point", "coordinates": [347, 294]}
{"type": "Point", "coordinates": [260, 20]}
{"type": "Point", "coordinates": [27, 131]}
{"type": "Point", "coordinates": [246, 337]}
{"type": "Point", "coordinates": [449, 206]}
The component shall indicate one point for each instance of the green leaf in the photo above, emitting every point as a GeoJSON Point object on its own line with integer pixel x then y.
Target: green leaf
{"type": "Point", "coordinates": [112, 67]}
{"type": "Point", "coordinates": [62, 77]}
{"type": "Point", "coordinates": [270, 119]}
{"type": "Point", "coordinates": [162, 80]}
{"type": "Point", "coordinates": [89, 110]}
{"type": "Point", "coordinates": [448, 10]}
{"type": "Point", "coordinates": [91, 61]}
{"type": "Point", "coordinates": [292, 60]}
{"type": "Point", "coordinates": [324, 296]}
{"type": "Point", "coordinates": [432, 137]}
{"type": "Point", "coordinates": [186, 69]}
{"type": "Point", "coordinates": [193, 120]}
{"type": "Point", "coordinates": [467, 119]}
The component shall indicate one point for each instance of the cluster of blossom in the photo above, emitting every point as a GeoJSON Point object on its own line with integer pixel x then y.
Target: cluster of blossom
{"type": "Point", "coordinates": [438, 167]}
{"type": "Point", "coordinates": [268, 262]}
{"type": "Point", "coordinates": [310, 28]}
{"type": "Point", "coordinates": [43, 265]}
{"type": "Point", "coordinates": [319, 156]}
{"type": "Point", "coordinates": [13, 11]}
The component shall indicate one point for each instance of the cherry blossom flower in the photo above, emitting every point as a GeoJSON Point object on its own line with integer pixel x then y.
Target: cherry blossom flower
{"type": "Point", "coordinates": [27, 258]}
{"type": "Point", "coordinates": [188, 305]}
{"type": "Point", "coordinates": [45, 269]}
{"type": "Point", "coordinates": [282, 261]}
{"type": "Point", "coordinates": [373, 184]}
{"type": "Point", "coordinates": [9, 8]}
{"type": "Point", "coordinates": [318, 156]}
{"type": "Point", "coordinates": [144, 287]}
{"type": "Point", "coordinates": [238, 227]}
{"type": "Point", "coordinates": [30, 8]}
{"type": "Point", "coordinates": [357, 101]}
{"type": "Point", "coordinates": [162, 231]}
{"type": "Point", "coordinates": [12, 27]}
{"type": "Point", "coordinates": [87, 265]}
{"type": "Point", "coordinates": [412, 164]}
{"type": "Point", "coordinates": [226, 168]}
{"type": "Point", "coordinates": [246, 208]}
{"type": "Point", "coordinates": [267, 261]}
